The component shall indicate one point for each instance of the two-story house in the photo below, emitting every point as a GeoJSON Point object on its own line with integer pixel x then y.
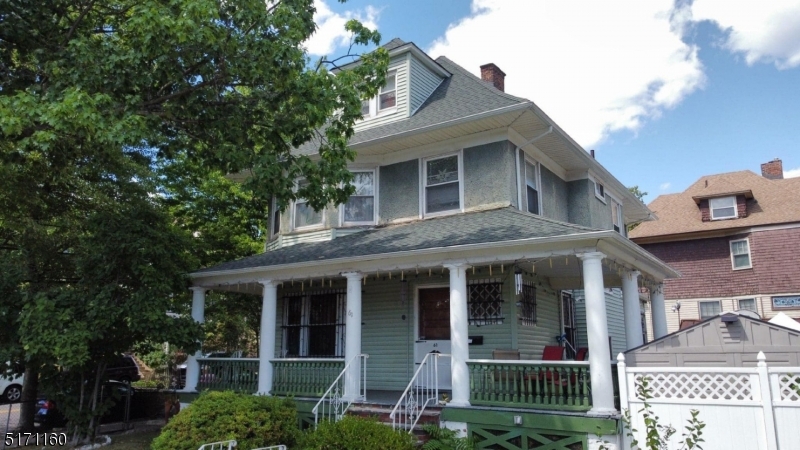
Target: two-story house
{"type": "Point", "coordinates": [474, 215]}
{"type": "Point", "coordinates": [735, 238]}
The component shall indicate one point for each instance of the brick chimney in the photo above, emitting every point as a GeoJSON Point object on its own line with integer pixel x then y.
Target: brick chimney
{"type": "Point", "coordinates": [493, 74]}
{"type": "Point", "coordinates": [773, 169]}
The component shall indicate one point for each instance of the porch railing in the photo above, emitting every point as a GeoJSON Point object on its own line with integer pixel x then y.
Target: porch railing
{"type": "Point", "coordinates": [334, 403]}
{"type": "Point", "coordinates": [421, 392]}
{"type": "Point", "coordinates": [560, 385]}
{"type": "Point", "coordinates": [304, 377]}
{"type": "Point", "coordinates": [236, 374]}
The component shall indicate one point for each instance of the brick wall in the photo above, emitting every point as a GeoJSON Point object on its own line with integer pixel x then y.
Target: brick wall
{"type": "Point", "coordinates": [707, 272]}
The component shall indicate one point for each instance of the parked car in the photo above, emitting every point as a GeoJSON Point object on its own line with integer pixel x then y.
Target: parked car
{"type": "Point", "coordinates": [48, 415]}
{"type": "Point", "coordinates": [124, 368]}
{"type": "Point", "coordinates": [11, 389]}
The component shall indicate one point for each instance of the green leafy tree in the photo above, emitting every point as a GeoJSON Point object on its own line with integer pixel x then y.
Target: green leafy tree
{"type": "Point", "coordinates": [640, 195]}
{"type": "Point", "coordinates": [97, 97]}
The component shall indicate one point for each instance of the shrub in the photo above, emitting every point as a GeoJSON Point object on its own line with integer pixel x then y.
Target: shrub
{"type": "Point", "coordinates": [254, 421]}
{"type": "Point", "coordinates": [355, 433]}
{"type": "Point", "coordinates": [445, 439]}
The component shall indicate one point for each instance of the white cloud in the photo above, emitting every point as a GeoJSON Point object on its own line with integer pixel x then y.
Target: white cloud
{"type": "Point", "coordinates": [793, 173]}
{"type": "Point", "coordinates": [767, 31]}
{"type": "Point", "coordinates": [665, 186]}
{"type": "Point", "coordinates": [330, 33]}
{"type": "Point", "coordinates": [594, 68]}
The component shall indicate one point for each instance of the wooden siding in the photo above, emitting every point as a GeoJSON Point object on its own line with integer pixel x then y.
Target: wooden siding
{"type": "Point", "coordinates": [532, 339]}
{"type": "Point", "coordinates": [400, 65]}
{"type": "Point", "coordinates": [422, 84]}
{"type": "Point", "coordinates": [614, 313]}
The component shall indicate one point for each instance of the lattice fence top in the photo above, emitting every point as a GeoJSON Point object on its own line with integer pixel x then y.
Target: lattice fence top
{"type": "Point", "coordinates": [789, 386]}
{"type": "Point", "coordinates": [698, 386]}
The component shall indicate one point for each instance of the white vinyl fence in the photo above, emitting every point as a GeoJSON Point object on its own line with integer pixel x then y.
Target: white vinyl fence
{"type": "Point", "coordinates": [743, 408]}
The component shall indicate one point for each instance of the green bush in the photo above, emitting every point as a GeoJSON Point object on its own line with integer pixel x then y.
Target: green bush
{"type": "Point", "coordinates": [254, 421]}
{"type": "Point", "coordinates": [354, 433]}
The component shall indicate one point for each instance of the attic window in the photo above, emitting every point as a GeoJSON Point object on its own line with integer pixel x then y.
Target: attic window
{"type": "Point", "coordinates": [722, 208]}
{"type": "Point", "coordinates": [386, 100]}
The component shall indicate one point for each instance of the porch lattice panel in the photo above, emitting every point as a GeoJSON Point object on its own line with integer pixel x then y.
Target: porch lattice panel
{"type": "Point", "coordinates": [789, 387]}
{"type": "Point", "coordinates": [699, 386]}
{"type": "Point", "coordinates": [519, 438]}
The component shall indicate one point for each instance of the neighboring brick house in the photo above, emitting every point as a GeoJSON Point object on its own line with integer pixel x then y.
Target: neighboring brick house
{"type": "Point", "coordinates": [735, 239]}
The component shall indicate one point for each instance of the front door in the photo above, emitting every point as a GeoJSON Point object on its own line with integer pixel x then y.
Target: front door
{"type": "Point", "coordinates": [433, 330]}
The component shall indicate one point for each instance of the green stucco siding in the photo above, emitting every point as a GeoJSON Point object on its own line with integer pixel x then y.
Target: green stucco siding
{"type": "Point", "coordinates": [489, 178]}
{"type": "Point", "coordinates": [555, 196]}
{"type": "Point", "coordinates": [585, 208]}
{"type": "Point", "coordinates": [399, 191]}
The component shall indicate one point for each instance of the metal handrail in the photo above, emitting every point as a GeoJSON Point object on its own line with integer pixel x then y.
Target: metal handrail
{"type": "Point", "coordinates": [339, 406]}
{"type": "Point", "coordinates": [411, 396]}
{"type": "Point", "coordinates": [222, 445]}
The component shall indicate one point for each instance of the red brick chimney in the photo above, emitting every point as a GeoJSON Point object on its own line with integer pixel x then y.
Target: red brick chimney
{"type": "Point", "coordinates": [493, 74]}
{"type": "Point", "coordinates": [773, 169]}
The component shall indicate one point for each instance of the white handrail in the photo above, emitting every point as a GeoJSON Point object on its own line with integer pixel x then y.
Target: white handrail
{"type": "Point", "coordinates": [530, 362]}
{"type": "Point", "coordinates": [418, 396]}
{"type": "Point", "coordinates": [339, 404]}
{"type": "Point", "coordinates": [226, 359]}
{"type": "Point", "coordinates": [222, 445]}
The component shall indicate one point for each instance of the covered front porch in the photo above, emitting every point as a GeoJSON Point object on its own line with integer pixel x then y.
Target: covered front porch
{"type": "Point", "coordinates": [360, 303]}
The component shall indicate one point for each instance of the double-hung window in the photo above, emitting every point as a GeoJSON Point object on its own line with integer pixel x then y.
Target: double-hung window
{"type": "Point", "coordinates": [600, 191]}
{"type": "Point", "coordinates": [485, 302]}
{"type": "Point", "coordinates": [360, 208]}
{"type": "Point", "coordinates": [722, 208]}
{"type": "Point", "coordinates": [386, 99]}
{"type": "Point", "coordinates": [740, 254]}
{"type": "Point", "coordinates": [275, 219]}
{"type": "Point", "coordinates": [314, 325]}
{"type": "Point", "coordinates": [748, 304]}
{"type": "Point", "coordinates": [616, 216]}
{"type": "Point", "coordinates": [304, 214]}
{"type": "Point", "coordinates": [442, 184]}
{"type": "Point", "coordinates": [532, 187]}
{"type": "Point", "coordinates": [709, 309]}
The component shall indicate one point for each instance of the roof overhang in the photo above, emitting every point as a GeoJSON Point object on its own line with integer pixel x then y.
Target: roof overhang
{"type": "Point", "coordinates": [747, 194]}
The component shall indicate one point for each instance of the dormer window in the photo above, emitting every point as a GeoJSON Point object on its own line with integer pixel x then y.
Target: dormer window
{"type": "Point", "coordinates": [442, 184]}
{"type": "Point", "coordinates": [360, 208]}
{"type": "Point", "coordinates": [304, 214]}
{"type": "Point", "coordinates": [385, 101]}
{"type": "Point", "coordinates": [722, 208]}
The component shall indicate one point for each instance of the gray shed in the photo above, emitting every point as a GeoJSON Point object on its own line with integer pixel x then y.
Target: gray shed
{"type": "Point", "coordinates": [731, 339]}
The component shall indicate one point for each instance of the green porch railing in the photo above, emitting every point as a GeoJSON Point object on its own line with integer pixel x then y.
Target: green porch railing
{"type": "Point", "coordinates": [558, 385]}
{"type": "Point", "coordinates": [304, 377]}
{"type": "Point", "coordinates": [222, 374]}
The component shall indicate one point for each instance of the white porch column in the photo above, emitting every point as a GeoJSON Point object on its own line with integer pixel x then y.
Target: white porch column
{"type": "Point", "coordinates": [633, 310]}
{"type": "Point", "coordinates": [352, 346]}
{"type": "Point", "coordinates": [597, 334]}
{"type": "Point", "coordinates": [459, 329]}
{"type": "Point", "coordinates": [657, 311]}
{"type": "Point", "coordinates": [266, 347]}
{"type": "Point", "coordinates": [199, 316]}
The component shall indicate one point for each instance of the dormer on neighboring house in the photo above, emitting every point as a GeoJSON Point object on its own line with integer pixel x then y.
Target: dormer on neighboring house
{"type": "Point", "coordinates": [437, 141]}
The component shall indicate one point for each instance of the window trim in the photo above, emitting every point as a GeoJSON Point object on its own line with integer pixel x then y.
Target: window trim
{"type": "Point", "coordinates": [374, 102]}
{"type": "Point", "coordinates": [620, 214]}
{"type": "Point", "coordinates": [473, 303]}
{"type": "Point", "coordinates": [601, 192]}
{"type": "Point", "coordinates": [700, 309]}
{"type": "Point", "coordinates": [272, 219]}
{"type": "Point", "coordinates": [523, 185]}
{"type": "Point", "coordinates": [739, 304]}
{"type": "Point", "coordinates": [735, 208]}
{"type": "Point", "coordinates": [315, 226]}
{"type": "Point", "coordinates": [374, 201]}
{"type": "Point", "coordinates": [305, 325]}
{"type": "Point", "coordinates": [749, 254]}
{"type": "Point", "coordinates": [424, 180]}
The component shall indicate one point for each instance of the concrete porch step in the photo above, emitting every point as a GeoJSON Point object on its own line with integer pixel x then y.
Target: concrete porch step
{"type": "Point", "coordinates": [381, 413]}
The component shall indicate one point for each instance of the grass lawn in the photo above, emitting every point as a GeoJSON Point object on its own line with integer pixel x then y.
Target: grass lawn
{"type": "Point", "coordinates": [132, 441]}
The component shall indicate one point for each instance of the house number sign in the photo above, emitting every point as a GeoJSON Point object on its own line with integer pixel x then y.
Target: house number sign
{"type": "Point", "coordinates": [786, 302]}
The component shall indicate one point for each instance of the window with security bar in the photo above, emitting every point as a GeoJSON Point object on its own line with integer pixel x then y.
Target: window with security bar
{"type": "Point", "coordinates": [486, 302]}
{"type": "Point", "coordinates": [314, 324]}
{"type": "Point", "coordinates": [527, 312]}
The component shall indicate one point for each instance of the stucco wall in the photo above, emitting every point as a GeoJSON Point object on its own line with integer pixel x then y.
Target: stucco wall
{"type": "Point", "coordinates": [399, 191]}
{"type": "Point", "coordinates": [585, 208]}
{"type": "Point", "coordinates": [555, 196]}
{"type": "Point", "coordinates": [489, 175]}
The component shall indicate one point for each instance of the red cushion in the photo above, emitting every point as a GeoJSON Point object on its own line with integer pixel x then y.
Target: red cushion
{"type": "Point", "coordinates": [553, 353]}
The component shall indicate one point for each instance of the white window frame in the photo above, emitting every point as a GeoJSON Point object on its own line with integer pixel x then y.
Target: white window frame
{"type": "Point", "coordinates": [424, 184]}
{"type": "Point", "coordinates": [700, 309]}
{"type": "Point", "coordinates": [620, 215]}
{"type": "Point", "coordinates": [374, 201]}
{"type": "Point", "coordinates": [749, 254]}
{"type": "Point", "coordinates": [272, 219]}
{"type": "Point", "coordinates": [315, 226]}
{"type": "Point", "coordinates": [523, 185]}
{"type": "Point", "coordinates": [374, 102]}
{"type": "Point", "coordinates": [599, 191]}
{"type": "Point", "coordinates": [755, 304]}
{"type": "Point", "coordinates": [735, 208]}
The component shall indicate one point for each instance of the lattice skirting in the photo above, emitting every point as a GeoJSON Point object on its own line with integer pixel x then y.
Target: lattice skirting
{"type": "Point", "coordinates": [507, 438]}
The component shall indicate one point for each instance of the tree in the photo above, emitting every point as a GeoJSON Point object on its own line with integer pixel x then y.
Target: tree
{"type": "Point", "coordinates": [638, 193]}
{"type": "Point", "coordinates": [95, 97]}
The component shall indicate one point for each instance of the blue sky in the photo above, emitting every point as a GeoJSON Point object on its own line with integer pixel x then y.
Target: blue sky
{"type": "Point", "coordinates": [664, 91]}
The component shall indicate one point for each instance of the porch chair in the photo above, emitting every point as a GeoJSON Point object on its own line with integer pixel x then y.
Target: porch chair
{"type": "Point", "coordinates": [580, 355]}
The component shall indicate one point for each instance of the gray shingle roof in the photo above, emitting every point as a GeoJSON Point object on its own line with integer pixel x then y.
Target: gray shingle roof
{"type": "Point", "coordinates": [461, 95]}
{"type": "Point", "coordinates": [496, 225]}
